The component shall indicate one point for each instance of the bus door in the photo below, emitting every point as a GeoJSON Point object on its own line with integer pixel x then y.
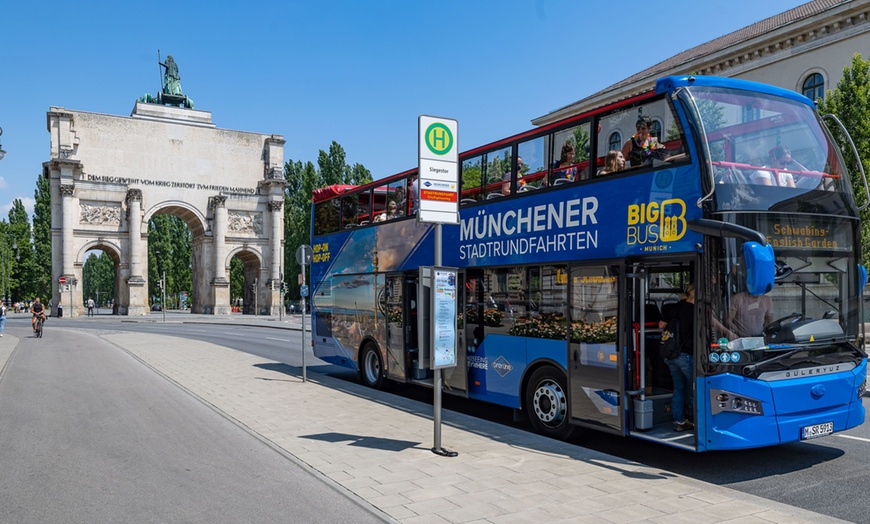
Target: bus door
{"type": "Point", "coordinates": [456, 378]}
{"type": "Point", "coordinates": [594, 360]}
{"type": "Point", "coordinates": [396, 313]}
{"type": "Point", "coordinates": [653, 291]}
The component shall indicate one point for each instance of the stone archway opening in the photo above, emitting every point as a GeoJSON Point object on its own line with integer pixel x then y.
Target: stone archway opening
{"type": "Point", "coordinates": [175, 237]}
{"type": "Point", "coordinates": [245, 272]}
{"type": "Point", "coordinates": [101, 278]}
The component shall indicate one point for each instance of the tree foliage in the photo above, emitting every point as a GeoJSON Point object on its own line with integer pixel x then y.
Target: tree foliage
{"type": "Point", "coordinates": [302, 180]}
{"type": "Point", "coordinates": [850, 101]}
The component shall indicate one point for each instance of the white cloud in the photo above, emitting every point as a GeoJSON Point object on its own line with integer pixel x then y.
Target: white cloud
{"type": "Point", "coordinates": [3, 184]}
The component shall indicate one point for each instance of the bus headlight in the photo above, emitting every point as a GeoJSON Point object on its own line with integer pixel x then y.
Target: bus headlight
{"type": "Point", "coordinates": [722, 401]}
{"type": "Point", "coordinates": [862, 389]}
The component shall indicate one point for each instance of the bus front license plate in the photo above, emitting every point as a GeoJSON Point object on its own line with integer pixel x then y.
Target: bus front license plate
{"type": "Point", "coordinates": [819, 430]}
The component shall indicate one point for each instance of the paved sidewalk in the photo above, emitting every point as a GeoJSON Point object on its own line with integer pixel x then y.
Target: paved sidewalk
{"type": "Point", "coordinates": [377, 447]}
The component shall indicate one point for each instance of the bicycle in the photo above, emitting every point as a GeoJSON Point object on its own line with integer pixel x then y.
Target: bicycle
{"type": "Point", "coordinates": [39, 320]}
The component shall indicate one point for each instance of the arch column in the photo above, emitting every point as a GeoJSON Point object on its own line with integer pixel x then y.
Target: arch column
{"type": "Point", "coordinates": [220, 282]}
{"type": "Point", "coordinates": [138, 300]}
{"type": "Point", "coordinates": [67, 298]}
{"type": "Point", "coordinates": [276, 246]}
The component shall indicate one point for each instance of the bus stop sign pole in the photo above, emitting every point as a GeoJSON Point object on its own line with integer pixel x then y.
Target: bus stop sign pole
{"type": "Point", "coordinates": [438, 203]}
{"type": "Point", "coordinates": [303, 258]}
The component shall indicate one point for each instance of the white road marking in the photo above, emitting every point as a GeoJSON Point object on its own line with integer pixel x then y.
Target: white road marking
{"type": "Point", "coordinates": [862, 439]}
{"type": "Point", "coordinates": [278, 339]}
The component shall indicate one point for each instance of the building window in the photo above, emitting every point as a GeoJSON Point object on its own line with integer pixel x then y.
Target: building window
{"type": "Point", "coordinates": [814, 87]}
{"type": "Point", "coordinates": [615, 142]}
{"type": "Point", "coordinates": [656, 130]}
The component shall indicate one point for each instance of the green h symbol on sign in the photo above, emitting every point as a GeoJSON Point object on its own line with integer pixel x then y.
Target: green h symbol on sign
{"type": "Point", "coordinates": [439, 139]}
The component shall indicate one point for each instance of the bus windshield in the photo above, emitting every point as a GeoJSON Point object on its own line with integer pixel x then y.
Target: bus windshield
{"type": "Point", "coordinates": [767, 151]}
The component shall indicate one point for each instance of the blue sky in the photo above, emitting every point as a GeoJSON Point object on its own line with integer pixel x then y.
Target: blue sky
{"type": "Point", "coordinates": [356, 72]}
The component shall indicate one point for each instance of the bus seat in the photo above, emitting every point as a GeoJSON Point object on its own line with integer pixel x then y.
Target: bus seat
{"type": "Point", "coordinates": [493, 195]}
{"type": "Point", "coordinates": [560, 181]}
{"type": "Point", "coordinates": [465, 201]}
{"type": "Point", "coordinates": [364, 222]}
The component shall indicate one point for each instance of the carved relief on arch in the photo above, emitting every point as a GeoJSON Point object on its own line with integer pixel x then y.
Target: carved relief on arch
{"type": "Point", "coordinates": [67, 190]}
{"type": "Point", "coordinates": [245, 222]}
{"type": "Point", "coordinates": [100, 214]}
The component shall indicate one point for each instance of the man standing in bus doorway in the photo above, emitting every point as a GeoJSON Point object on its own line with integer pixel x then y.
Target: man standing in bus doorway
{"type": "Point", "coordinates": [682, 367]}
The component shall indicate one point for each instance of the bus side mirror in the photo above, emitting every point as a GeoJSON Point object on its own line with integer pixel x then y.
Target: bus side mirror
{"type": "Point", "coordinates": [862, 277]}
{"type": "Point", "coordinates": [760, 267]}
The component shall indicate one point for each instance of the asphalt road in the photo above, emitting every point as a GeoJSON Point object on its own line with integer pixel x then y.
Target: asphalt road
{"type": "Point", "coordinates": [88, 434]}
{"type": "Point", "coordinates": [825, 475]}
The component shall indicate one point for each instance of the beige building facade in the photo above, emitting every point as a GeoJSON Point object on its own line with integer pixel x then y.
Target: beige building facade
{"type": "Point", "coordinates": [109, 175]}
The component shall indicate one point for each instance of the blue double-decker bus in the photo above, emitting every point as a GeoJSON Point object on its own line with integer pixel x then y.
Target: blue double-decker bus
{"type": "Point", "coordinates": [578, 240]}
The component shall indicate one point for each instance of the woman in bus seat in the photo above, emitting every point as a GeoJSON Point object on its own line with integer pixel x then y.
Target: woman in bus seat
{"type": "Point", "coordinates": [780, 158]}
{"type": "Point", "coordinates": [642, 148]}
{"type": "Point", "coordinates": [391, 213]}
{"type": "Point", "coordinates": [613, 162]}
{"type": "Point", "coordinates": [564, 168]}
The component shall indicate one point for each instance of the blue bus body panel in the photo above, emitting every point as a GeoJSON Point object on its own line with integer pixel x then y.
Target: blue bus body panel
{"type": "Point", "coordinates": [647, 215]}
{"type": "Point", "coordinates": [497, 366]}
{"type": "Point", "coordinates": [789, 405]}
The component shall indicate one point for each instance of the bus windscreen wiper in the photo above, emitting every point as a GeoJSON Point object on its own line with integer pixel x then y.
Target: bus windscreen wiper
{"type": "Point", "coordinates": [750, 369]}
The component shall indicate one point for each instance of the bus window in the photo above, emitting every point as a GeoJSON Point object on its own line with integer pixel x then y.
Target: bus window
{"type": "Point", "coordinates": [326, 217]}
{"type": "Point", "coordinates": [666, 143]}
{"type": "Point", "coordinates": [472, 173]}
{"type": "Point", "coordinates": [498, 169]}
{"type": "Point", "coordinates": [349, 211]}
{"type": "Point", "coordinates": [533, 168]}
{"type": "Point", "coordinates": [570, 155]}
{"type": "Point", "coordinates": [364, 215]}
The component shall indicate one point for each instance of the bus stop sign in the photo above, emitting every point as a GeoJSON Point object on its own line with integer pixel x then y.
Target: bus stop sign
{"type": "Point", "coordinates": [303, 255]}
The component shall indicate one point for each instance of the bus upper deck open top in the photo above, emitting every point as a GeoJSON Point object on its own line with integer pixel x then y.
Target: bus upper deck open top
{"type": "Point", "coordinates": [570, 262]}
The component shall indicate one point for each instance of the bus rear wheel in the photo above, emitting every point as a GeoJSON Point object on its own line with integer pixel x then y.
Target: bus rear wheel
{"type": "Point", "coordinates": [547, 403]}
{"type": "Point", "coordinates": [371, 368]}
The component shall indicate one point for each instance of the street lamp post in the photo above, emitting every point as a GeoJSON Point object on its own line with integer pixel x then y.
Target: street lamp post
{"type": "Point", "coordinates": [2, 153]}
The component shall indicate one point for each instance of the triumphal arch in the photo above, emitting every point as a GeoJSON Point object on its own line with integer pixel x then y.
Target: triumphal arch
{"type": "Point", "coordinates": [110, 174]}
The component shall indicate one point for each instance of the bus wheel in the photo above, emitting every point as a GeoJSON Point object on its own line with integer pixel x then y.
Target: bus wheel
{"type": "Point", "coordinates": [547, 403]}
{"type": "Point", "coordinates": [371, 369]}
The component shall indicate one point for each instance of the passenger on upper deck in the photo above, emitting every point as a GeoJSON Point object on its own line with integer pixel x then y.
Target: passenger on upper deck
{"type": "Point", "coordinates": [392, 213]}
{"type": "Point", "coordinates": [642, 148]}
{"type": "Point", "coordinates": [564, 168]}
{"type": "Point", "coordinates": [780, 158]}
{"type": "Point", "coordinates": [401, 201]}
{"type": "Point", "coordinates": [506, 180]}
{"type": "Point", "coordinates": [613, 162]}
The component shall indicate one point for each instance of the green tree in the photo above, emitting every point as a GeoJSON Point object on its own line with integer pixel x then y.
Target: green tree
{"type": "Point", "coordinates": [302, 180]}
{"type": "Point", "coordinates": [39, 270]}
{"type": "Point", "coordinates": [19, 229]}
{"type": "Point", "coordinates": [850, 101]}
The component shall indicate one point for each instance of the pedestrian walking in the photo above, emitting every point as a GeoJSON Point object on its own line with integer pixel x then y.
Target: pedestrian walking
{"type": "Point", "coordinates": [90, 306]}
{"type": "Point", "coordinates": [2, 318]}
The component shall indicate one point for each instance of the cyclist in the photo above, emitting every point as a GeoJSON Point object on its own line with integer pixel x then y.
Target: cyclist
{"type": "Point", "coordinates": [38, 310]}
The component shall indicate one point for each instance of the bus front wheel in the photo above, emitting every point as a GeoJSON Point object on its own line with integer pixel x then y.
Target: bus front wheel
{"type": "Point", "coordinates": [371, 369]}
{"type": "Point", "coordinates": [547, 403]}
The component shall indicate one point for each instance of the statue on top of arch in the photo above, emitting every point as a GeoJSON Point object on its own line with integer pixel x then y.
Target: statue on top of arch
{"type": "Point", "coordinates": [171, 93]}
